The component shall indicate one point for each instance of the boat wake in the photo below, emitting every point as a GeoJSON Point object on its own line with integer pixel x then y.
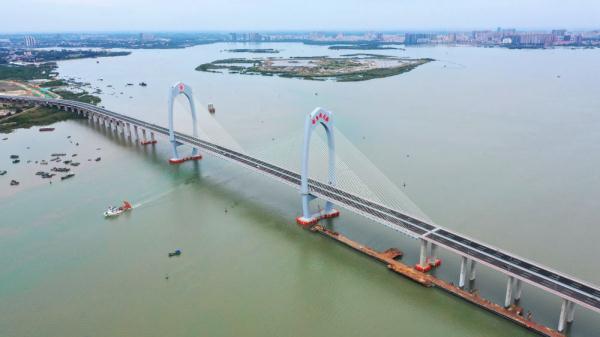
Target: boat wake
{"type": "Point", "coordinates": [154, 198]}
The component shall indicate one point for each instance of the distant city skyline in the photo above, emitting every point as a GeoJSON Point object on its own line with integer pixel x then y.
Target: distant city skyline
{"type": "Point", "coordinates": [38, 16]}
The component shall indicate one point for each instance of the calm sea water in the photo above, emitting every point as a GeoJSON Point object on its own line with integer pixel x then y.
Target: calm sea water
{"type": "Point", "coordinates": [503, 147]}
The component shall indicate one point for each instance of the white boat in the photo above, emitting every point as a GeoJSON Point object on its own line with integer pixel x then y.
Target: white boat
{"type": "Point", "coordinates": [114, 211]}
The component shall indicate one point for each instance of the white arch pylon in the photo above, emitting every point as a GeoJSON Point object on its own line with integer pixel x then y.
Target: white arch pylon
{"type": "Point", "coordinates": [177, 89]}
{"type": "Point", "coordinates": [317, 117]}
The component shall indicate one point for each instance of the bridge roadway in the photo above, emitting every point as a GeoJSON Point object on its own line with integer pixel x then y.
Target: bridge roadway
{"type": "Point", "coordinates": [564, 286]}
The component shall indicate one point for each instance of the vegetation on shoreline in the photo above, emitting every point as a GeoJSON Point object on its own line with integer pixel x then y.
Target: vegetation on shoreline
{"type": "Point", "coordinates": [256, 50]}
{"type": "Point", "coordinates": [83, 96]}
{"type": "Point", "coordinates": [34, 116]}
{"type": "Point", "coordinates": [347, 68]}
{"type": "Point", "coordinates": [27, 72]}
{"type": "Point", "coordinates": [37, 115]}
{"type": "Point", "coordinates": [55, 83]}
{"type": "Point", "coordinates": [362, 46]}
{"type": "Point", "coordinates": [42, 55]}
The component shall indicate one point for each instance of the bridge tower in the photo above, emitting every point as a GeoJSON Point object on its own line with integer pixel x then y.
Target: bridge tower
{"type": "Point", "coordinates": [177, 89]}
{"type": "Point", "coordinates": [317, 117]}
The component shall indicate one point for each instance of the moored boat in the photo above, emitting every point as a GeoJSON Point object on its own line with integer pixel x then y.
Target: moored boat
{"type": "Point", "coordinates": [70, 175]}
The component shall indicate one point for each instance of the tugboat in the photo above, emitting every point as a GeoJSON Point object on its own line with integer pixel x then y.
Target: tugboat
{"type": "Point", "coordinates": [114, 211]}
{"type": "Point", "coordinates": [14, 183]}
{"type": "Point", "coordinates": [143, 84]}
{"type": "Point", "coordinates": [211, 108]}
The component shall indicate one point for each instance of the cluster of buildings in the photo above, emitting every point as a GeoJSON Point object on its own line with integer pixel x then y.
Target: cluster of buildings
{"type": "Point", "coordinates": [248, 37]}
{"type": "Point", "coordinates": [500, 37]}
{"type": "Point", "coordinates": [510, 38]}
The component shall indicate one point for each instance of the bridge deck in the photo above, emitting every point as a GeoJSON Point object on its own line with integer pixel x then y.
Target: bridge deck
{"type": "Point", "coordinates": [533, 273]}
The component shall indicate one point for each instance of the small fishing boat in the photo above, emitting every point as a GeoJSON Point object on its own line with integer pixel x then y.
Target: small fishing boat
{"type": "Point", "coordinates": [114, 211]}
{"type": "Point", "coordinates": [3, 172]}
{"type": "Point", "coordinates": [46, 129]}
{"type": "Point", "coordinates": [211, 108]}
{"type": "Point", "coordinates": [14, 183]}
{"type": "Point", "coordinates": [177, 252]}
{"type": "Point", "coordinates": [70, 175]}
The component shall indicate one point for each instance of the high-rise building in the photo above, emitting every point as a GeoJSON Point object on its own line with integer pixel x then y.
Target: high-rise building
{"type": "Point", "coordinates": [146, 37]}
{"type": "Point", "coordinates": [417, 38]}
{"type": "Point", "coordinates": [30, 41]}
{"type": "Point", "coordinates": [254, 37]}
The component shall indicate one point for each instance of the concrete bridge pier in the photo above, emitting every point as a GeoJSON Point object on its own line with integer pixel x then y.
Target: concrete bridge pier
{"type": "Point", "coordinates": [144, 139]}
{"type": "Point", "coordinates": [562, 319]}
{"type": "Point", "coordinates": [318, 117]}
{"type": "Point", "coordinates": [423, 266]}
{"type": "Point", "coordinates": [567, 314]}
{"type": "Point", "coordinates": [508, 300]}
{"type": "Point", "coordinates": [175, 90]}
{"type": "Point", "coordinates": [518, 289]}
{"type": "Point", "coordinates": [472, 271]}
{"type": "Point", "coordinates": [137, 135]}
{"type": "Point", "coordinates": [463, 272]}
{"type": "Point", "coordinates": [467, 271]}
{"type": "Point", "coordinates": [427, 257]}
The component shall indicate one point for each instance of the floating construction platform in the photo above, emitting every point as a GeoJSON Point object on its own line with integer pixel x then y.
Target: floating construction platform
{"type": "Point", "coordinates": [147, 142]}
{"type": "Point", "coordinates": [184, 159]}
{"type": "Point", "coordinates": [390, 256]}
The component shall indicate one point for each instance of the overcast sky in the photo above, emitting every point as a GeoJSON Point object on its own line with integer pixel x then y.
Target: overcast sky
{"type": "Point", "coordinates": [228, 15]}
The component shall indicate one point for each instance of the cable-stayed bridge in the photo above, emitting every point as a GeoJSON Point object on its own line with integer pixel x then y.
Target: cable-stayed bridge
{"type": "Point", "coordinates": [472, 252]}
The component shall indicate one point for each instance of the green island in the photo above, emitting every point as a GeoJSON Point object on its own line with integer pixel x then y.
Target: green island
{"type": "Point", "coordinates": [40, 81]}
{"type": "Point", "coordinates": [257, 50]}
{"type": "Point", "coordinates": [346, 68]}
